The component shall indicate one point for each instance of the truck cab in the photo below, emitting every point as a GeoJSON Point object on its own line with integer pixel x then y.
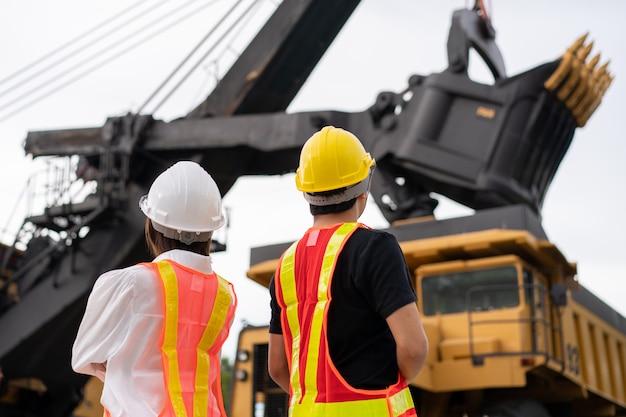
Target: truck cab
{"type": "Point", "coordinates": [491, 317]}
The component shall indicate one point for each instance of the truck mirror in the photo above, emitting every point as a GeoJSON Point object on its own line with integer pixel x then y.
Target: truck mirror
{"type": "Point", "coordinates": [558, 294]}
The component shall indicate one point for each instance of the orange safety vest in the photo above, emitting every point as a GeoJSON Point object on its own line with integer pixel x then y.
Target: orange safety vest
{"type": "Point", "coordinates": [316, 387]}
{"type": "Point", "coordinates": [198, 311]}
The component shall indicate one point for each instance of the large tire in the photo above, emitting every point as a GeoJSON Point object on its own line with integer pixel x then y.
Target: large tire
{"type": "Point", "coordinates": [514, 408]}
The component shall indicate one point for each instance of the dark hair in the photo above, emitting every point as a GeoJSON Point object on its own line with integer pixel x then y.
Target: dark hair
{"type": "Point", "coordinates": [157, 243]}
{"type": "Point", "coordinates": [333, 208]}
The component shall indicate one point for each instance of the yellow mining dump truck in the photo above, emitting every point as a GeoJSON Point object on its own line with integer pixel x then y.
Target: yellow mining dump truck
{"type": "Point", "coordinates": [511, 331]}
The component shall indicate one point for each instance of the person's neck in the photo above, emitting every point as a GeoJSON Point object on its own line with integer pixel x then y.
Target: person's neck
{"type": "Point", "coordinates": [350, 215]}
{"type": "Point", "coordinates": [326, 220]}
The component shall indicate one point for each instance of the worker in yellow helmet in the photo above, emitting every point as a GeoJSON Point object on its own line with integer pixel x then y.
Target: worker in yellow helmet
{"type": "Point", "coordinates": [345, 332]}
{"type": "Point", "coordinates": [153, 331]}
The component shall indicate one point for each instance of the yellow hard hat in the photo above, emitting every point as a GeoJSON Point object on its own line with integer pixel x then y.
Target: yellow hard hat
{"type": "Point", "coordinates": [332, 159]}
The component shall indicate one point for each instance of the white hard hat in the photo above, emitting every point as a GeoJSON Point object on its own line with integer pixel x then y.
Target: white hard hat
{"type": "Point", "coordinates": [184, 203]}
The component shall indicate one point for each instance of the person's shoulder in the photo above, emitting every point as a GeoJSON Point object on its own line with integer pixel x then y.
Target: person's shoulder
{"type": "Point", "coordinates": [139, 274]}
{"type": "Point", "coordinates": [366, 239]}
{"type": "Point", "coordinates": [366, 233]}
{"type": "Point", "coordinates": [125, 272]}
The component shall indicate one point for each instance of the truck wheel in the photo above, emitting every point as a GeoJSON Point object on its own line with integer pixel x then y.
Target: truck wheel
{"type": "Point", "coordinates": [514, 408]}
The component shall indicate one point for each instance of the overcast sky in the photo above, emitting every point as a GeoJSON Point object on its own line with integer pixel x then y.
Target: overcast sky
{"type": "Point", "coordinates": [384, 43]}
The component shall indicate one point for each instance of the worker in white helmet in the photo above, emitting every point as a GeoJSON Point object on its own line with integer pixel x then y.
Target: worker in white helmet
{"type": "Point", "coordinates": [152, 332]}
{"type": "Point", "coordinates": [345, 332]}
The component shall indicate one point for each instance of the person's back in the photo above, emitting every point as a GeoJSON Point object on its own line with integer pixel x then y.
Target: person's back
{"type": "Point", "coordinates": [153, 331]}
{"type": "Point", "coordinates": [345, 334]}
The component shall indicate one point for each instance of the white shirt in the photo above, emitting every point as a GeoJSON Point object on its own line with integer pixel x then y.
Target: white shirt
{"type": "Point", "coordinates": [119, 336]}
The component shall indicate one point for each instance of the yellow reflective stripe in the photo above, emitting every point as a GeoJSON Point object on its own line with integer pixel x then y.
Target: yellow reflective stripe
{"type": "Point", "coordinates": [362, 408]}
{"type": "Point", "coordinates": [170, 284]}
{"type": "Point", "coordinates": [315, 334]}
{"type": "Point", "coordinates": [217, 321]}
{"type": "Point", "coordinates": [400, 403]}
{"type": "Point", "coordinates": [288, 286]}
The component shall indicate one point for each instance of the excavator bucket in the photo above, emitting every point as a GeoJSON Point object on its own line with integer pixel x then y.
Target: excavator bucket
{"type": "Point", "coordinates": [483, 145]}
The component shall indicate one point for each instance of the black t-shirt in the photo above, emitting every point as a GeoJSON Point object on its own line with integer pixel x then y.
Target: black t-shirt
{"type": "Point", "coordinates": [371, 280]}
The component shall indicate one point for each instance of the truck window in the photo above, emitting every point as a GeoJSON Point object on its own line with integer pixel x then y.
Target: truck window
{"type": "Point", "coordinates": [476, 290]}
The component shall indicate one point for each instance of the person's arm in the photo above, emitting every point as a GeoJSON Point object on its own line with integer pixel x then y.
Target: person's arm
{"type": "Point", "coordinates": [104, 324]}
{"type": "Point", "coordinates": [411, 342]}
{"type": "Point", "coordinates": [277, 364]}
{"type": "Point", "coordinates": [393, 296]}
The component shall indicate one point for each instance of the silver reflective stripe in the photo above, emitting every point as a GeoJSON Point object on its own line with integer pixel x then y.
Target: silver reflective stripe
{"type": "Point", "coordinates": [341, 196]}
